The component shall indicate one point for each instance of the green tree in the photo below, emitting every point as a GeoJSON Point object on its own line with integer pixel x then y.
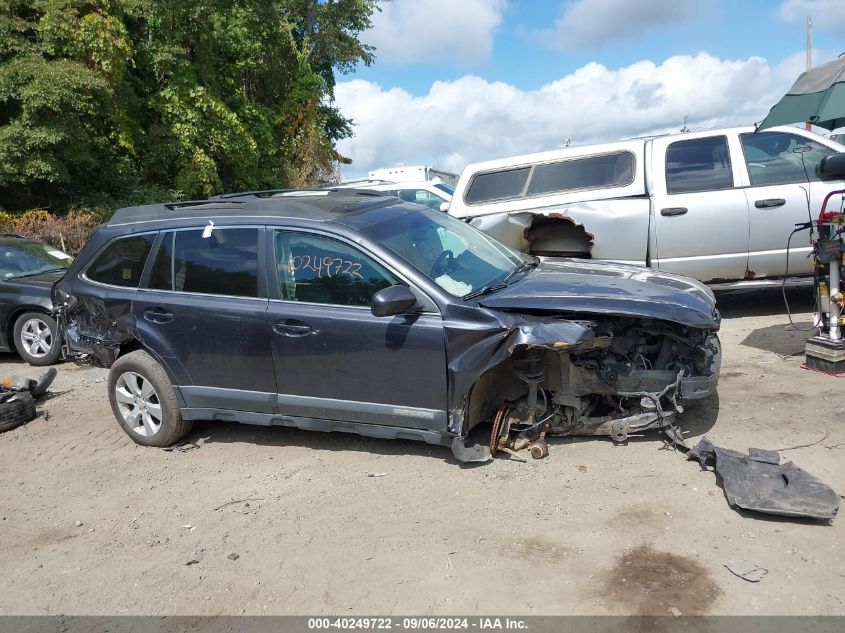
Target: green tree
{"type": "Point", "coordinates": [138, 99]}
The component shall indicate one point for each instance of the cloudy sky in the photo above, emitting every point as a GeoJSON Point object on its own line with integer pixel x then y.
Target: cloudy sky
{"type": "Point", "coordinates": [457, 81]}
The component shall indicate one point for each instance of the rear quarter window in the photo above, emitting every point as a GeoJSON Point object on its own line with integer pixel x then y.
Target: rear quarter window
{"type": "Point", "coordinates": [122, 261]}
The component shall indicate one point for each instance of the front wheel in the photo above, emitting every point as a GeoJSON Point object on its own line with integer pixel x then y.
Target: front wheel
{"type": "Point", "coordinates": [143, 401]}
{"type": "Point", "coordinates": [37, 338]}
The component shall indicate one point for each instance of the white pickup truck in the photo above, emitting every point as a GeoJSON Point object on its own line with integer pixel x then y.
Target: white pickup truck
{"type": "Point", "coordinates": [717, 206]}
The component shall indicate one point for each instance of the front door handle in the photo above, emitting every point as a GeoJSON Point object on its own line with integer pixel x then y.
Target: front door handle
{"type": "Point", "coordinates": [770, 203]}
{"type": "Point", "coordinates": [673, 211]}
{"type": "Point", "coordinates": [158, 315]}
{"type": "Point", "coordinates": [292, 327]}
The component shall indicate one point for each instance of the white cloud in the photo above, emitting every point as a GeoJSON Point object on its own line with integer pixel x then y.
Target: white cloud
{"type": "Point", "coordinates": [592, 23]}
{"type": "Point", "coordinates": [827, 14]}
{"type": "Point", "coordinates": [472, 119]}
{"type": "Point", "coordinates": [458, 31]}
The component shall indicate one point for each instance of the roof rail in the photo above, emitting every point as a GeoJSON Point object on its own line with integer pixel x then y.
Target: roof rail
{"type": "Point", "coordinates": [292, 193]}
{"type": "Point", "coordinates": [196, 203]}
{"type": "Point", "coordinates": [265, 193]}
{"type": "Point", "coordinates": [358, 191]}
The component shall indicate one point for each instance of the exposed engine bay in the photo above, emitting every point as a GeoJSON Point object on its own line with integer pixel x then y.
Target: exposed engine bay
{"type": "Point", "coordinates": [631, 376]}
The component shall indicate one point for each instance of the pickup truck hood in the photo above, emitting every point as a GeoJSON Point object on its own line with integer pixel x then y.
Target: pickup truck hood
{"type": "Point", "coordinates": [583, 286]}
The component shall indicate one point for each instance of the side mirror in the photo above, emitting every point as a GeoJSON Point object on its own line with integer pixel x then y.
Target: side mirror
{"type": "Point", "coordinates": [832, 167]}
{"type": "Point", "coordinates": [444, 207]}
{"type": "Point", "coordinates": [392, 300]}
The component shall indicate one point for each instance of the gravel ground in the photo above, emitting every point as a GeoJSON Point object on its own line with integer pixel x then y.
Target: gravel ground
{"type": "Point", "coordinates": [260, 520]}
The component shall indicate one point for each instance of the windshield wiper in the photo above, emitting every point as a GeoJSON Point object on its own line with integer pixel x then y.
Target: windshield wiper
{"type": "Point", "coordinates": [40, 272]}
{"type": "Point", "coordinates": [524, 265]}
{"type": "Point", "coordinates": [484, 290]}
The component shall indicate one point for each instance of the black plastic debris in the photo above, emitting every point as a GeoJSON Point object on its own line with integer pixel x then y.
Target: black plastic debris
{"type": "Point", "coordinates": [18, 396]}
{"type": "Point", "coordinates": [759, 482]}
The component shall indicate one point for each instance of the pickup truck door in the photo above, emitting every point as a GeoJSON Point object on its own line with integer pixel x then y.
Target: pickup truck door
{"type": "Point", "coordinates": [777, 199]}
{"type": "Point", "coordinates": [699, 210]}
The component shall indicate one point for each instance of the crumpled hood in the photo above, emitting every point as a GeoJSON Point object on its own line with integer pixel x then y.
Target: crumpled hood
{"type": "Point", "coordinates": [570, 285]}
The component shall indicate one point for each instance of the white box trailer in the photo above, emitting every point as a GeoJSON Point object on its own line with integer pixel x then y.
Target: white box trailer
{"type": "Point", "coordinates": [405, 173]}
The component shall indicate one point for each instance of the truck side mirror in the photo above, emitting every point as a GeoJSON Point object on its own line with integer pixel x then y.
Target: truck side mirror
{"type": "Point", "coordinates": [444, 207]}
{"type": "Point", "coordinates": [832, 167]}
{"type": "Point", "coordinates": [392, 300]}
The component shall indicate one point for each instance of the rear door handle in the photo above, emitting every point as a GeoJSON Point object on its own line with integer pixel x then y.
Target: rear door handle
{"type": "Point", "coordinates": [292, 327]}
{"type": "Point", "coordinates": [673, 211]}
{"type": "Point", "coordinates": [158, 315]}
{"type": "Point", "coordinates": [770, 203]}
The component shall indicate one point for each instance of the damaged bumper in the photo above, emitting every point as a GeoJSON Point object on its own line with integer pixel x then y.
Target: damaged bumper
{"type": "Point", "coordinates": [81, 348]}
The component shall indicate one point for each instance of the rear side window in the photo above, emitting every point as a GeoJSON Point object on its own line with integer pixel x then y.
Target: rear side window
{"type": "Point", "coordinates": [224, 263]}
{"type": "Point", "coordinates": [699, 164]}
{"type": "Point", "coordinates": [497, 185]}
{"type": "Point", "coordinates": [122, 261]}
{"type": "Point", "coordinates": [593, 172]}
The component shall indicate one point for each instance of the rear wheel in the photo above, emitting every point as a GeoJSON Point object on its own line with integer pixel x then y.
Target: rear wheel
{"type": "Point", "coordinates": [37, 338]}
{"type": "Point", "coordinates": [143, 401]}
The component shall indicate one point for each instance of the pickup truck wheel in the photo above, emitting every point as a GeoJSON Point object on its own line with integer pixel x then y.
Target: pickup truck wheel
{"type": "Point", "coordinates": [143, 401]}
{"type": "Point", "coordinates": [15, 412]}
{"type": "Point", "coordinates": [37, 338]}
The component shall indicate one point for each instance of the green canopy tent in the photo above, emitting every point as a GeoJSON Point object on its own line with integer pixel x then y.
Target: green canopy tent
{"type": "Point", "coordinates": [818, 96]}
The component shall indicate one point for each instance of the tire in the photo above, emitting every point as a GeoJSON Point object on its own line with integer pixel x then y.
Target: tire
{"type": "Point", "coordinates": [37, 338]}
{"type": "Point", "coordinates": [143, 401]}
{"type": "Point", "coordinates": [16, 412]}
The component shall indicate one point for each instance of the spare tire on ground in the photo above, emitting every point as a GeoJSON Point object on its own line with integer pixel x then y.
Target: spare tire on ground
{"type": "Point", "coordinates": [16, 408]}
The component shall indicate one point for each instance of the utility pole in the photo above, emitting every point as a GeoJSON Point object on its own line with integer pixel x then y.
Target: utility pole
{"type": "Point", "coordinates": [807, 125]}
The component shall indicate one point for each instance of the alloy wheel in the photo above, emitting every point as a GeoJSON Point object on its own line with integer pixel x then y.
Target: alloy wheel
{"type": "Point", "coordinates": [37, 337]}
{"type": "Point", "coordinates": [138, 403]}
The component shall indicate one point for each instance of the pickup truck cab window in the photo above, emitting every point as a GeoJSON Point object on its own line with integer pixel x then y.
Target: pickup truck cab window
{"type": "Point", "coordinates": [779, 158]}
{"type": "Point", "coordinates": [122, 261]}
{"type": "Point", "coordinates": [225, 262]}
{"type": "Point", "coordinates": [700, 164]}
{"type": "Point", "coordinates": [317, 269]}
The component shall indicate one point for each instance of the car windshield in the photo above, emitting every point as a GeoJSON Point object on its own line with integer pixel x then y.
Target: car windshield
{"type": "Point", "coordinates": [446, 188]}
{"type": "Point", "coordinates": [25, 258]}
{"type": "Point", "coordinates": [457, 257]}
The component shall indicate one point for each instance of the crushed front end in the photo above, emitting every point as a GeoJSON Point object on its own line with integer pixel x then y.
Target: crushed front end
{"type": "Point", "coordinates": [624, 375]}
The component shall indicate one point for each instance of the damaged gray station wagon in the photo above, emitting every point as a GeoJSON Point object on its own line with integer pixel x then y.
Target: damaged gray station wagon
{"type": "Point", "coordinates": [345, 310]}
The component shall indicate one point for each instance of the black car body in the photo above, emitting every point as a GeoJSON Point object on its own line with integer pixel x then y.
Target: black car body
{"type": "Point", "coordinates": [251, 305]}
{"type": "Point", "coordinates": [28, 270]}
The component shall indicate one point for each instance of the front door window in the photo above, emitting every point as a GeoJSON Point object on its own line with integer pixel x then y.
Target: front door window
{"type": "Point", "coordinates": [779, 158]}
{"type": "Point", "coordinates": [316, 269]}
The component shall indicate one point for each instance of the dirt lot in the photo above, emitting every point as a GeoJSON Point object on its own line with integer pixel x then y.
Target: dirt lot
{"type": "Point", "coordinates": [93, 524]}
